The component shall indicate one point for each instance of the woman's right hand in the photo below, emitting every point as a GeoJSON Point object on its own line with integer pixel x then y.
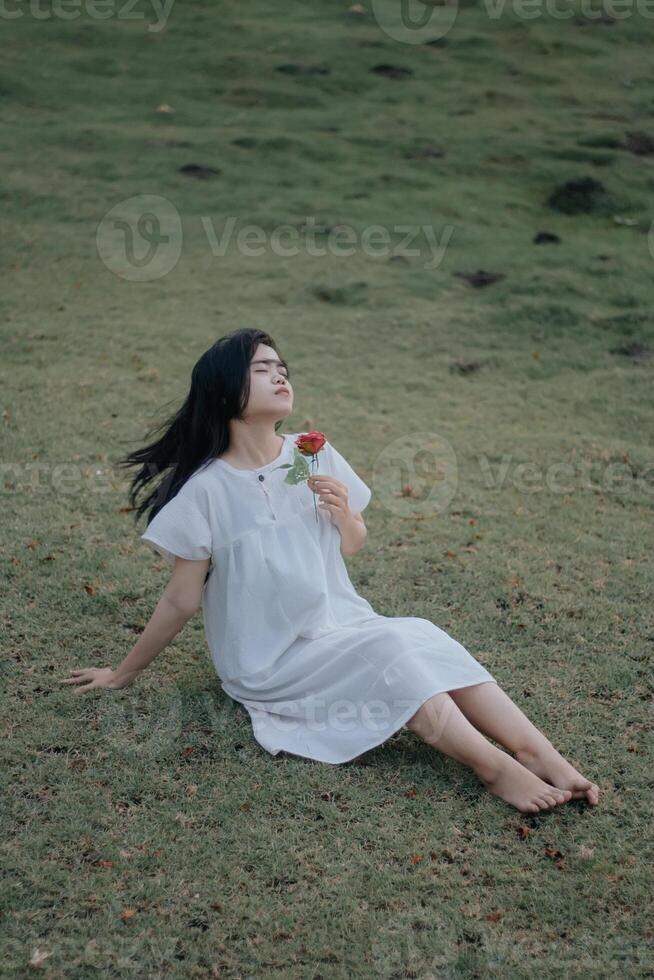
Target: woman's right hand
{"type": "Point", "coordinates": [92, 677]}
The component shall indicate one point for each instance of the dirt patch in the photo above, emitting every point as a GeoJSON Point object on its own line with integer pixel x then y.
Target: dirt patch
{"type": "Point", "coordinates": [639, 143]}
{"type": "Point", "coordinates": [392, 71]}
{"type": "Point", "coordinates": [481, 277]}
{"type": "Point", "coordinates": [465, 367]}
{"type": "Point", "coordinates": [293, 68]}
{"type": "Point", "coordinates": [428, 152]}
{"type": "Point", "coordinates": [580, 195]}
{"type": "Point", "coordinates": [164, 142]}
{"type": "Point", "coordinates": [634, 350]}
{"type": "Point", "coordinates": [198, 170]}
{"type": "Point", "coordinates": [544, 237]}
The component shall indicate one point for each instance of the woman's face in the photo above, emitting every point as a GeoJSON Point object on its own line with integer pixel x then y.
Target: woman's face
{"type": "Point", "coordinates": [268, 381]}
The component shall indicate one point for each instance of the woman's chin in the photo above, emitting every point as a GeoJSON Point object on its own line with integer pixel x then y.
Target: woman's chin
{"type": "Point", "coordinates": [286, 408]}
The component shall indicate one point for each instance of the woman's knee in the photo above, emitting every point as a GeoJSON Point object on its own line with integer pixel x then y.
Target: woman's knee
{"type": "Point", "coordinates": [427, 722]}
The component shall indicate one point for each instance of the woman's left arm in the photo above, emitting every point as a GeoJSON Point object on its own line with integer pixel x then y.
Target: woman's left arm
{"type": "Point", "coordinates": [353, 533]}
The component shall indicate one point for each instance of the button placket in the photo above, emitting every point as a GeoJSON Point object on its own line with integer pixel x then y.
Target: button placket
{"type": "Point", "coordinates": [262, 485]}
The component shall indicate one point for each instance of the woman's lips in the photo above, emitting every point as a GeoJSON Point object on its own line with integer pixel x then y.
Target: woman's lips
{"type": "Point", "coordinates": [283, 391]}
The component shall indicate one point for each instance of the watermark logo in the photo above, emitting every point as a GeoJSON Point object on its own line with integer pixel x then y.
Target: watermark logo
{"type": "Point", "coordinates": [563, 477]}
{"type": "Point", "coordinates": [606, 11]}
{"type": "Point", "coordinates": [415, 21]}
{"type": "Point", "coordinates": [140, 238]}
{"type": "Point", "coordinates": [157, 11]}
{"type": "Point", "coordinates": [341, 240]}
{"type": "Point", "coordinates": [416, 474]}
{"type": "Point", "coordinates": [146, 725]}
{"type": "Point", "coordinates": [428, 21]}
{"type": "Point", "coordinates": [141, 725]}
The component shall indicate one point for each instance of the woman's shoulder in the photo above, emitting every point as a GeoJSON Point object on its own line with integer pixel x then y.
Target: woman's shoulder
{"type": "Point", "coordinates": [200, 485]}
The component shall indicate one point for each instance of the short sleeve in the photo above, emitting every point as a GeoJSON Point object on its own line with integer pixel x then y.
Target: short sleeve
{"type": "Point", "coordinates": [359, 493]}
{"type": "Point", "coordinates": [179, 529]}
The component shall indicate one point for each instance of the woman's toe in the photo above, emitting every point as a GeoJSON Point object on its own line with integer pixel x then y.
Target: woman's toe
{"type": "Point", "coordinates": [593, 793]}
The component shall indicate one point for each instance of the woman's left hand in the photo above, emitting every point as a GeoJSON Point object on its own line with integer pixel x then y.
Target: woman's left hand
{"type": "Point", "coordinates": [90, 678]}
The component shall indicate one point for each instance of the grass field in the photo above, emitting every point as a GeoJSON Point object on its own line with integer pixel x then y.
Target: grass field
{"type": "Point", "coordinates": [146, 832]}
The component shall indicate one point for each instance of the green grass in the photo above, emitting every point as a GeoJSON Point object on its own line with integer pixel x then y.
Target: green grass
{"type": "Point", "coordinates": [146, 832]}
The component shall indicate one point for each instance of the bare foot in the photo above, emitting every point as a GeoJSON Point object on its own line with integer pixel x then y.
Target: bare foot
{"type": "Point", "coordinates": [516, 785]}
{"type": "Point", "coordinates": [549, 764]}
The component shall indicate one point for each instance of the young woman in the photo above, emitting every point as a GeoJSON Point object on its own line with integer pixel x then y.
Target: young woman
{"type": "Point", "coordinates": [321, 674]}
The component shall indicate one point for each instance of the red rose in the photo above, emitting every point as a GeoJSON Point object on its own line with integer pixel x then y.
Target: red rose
{"type": "Point", "coordinates": [310, 442]}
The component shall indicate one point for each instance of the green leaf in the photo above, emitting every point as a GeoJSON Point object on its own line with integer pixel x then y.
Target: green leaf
{"type": "Point", "coordinates": [298, 470]}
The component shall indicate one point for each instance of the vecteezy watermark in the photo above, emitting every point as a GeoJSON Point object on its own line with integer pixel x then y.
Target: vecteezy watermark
{"type": "Point", "coordinates": [566, 9]}
{"type": "Point", "coordinates": [416, 474]}
{"type": "Point", "coordinates": [140, 238]}
{"type": "Point", "coordinates": [427, 21]}
{"type": "Point", "coordinates": [415, 21]}
{"type": "Point", "coordinates": [139, 724]}
{"type": "Point", "coordinates": [314, 713]}
{"type": "Point", "coordinates": [146, 724]}
{"type": "Point", "coordinates": [341, 240]}
{"type": "Point", "coordinates": [45, 477]}
{"type": "Point", "coordinates": [615, 476]}
{"type": "Point", "coordinates": [92, 9]}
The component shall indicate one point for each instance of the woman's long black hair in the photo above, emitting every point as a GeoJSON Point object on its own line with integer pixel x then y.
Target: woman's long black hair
{"type": "Point", "coordinates": [198, 431]}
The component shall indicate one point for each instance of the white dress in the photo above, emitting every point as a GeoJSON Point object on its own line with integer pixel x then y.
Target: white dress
{"type": "Point", "coordinates": [321, 674]}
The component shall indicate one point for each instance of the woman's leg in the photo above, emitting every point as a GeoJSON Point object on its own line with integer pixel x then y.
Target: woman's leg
{"type": "Point", "coordinates": [493, 712]}
{"type": "Point", "coordinates": [441, 724]}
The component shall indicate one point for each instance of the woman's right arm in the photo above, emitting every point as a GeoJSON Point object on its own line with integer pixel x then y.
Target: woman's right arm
{"type": "Point", "coordinates": [180, 600]}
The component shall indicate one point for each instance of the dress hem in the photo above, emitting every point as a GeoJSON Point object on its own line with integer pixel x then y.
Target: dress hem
{"type": "Point", "coordinates": [404, 718]}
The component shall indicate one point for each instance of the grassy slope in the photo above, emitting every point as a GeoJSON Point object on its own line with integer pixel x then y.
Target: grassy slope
{"type": "Point", "coordinates": [227, 856]}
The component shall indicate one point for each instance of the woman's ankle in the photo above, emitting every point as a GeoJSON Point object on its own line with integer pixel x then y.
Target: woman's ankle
{"type": "Point", "coordinates": [488, 765]}
{"type": "Point", "coordinates": [531, 751]}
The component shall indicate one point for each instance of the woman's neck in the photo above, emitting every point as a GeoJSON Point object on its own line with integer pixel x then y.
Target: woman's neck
{"type": "Point", "coordinates": [249, 451]}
